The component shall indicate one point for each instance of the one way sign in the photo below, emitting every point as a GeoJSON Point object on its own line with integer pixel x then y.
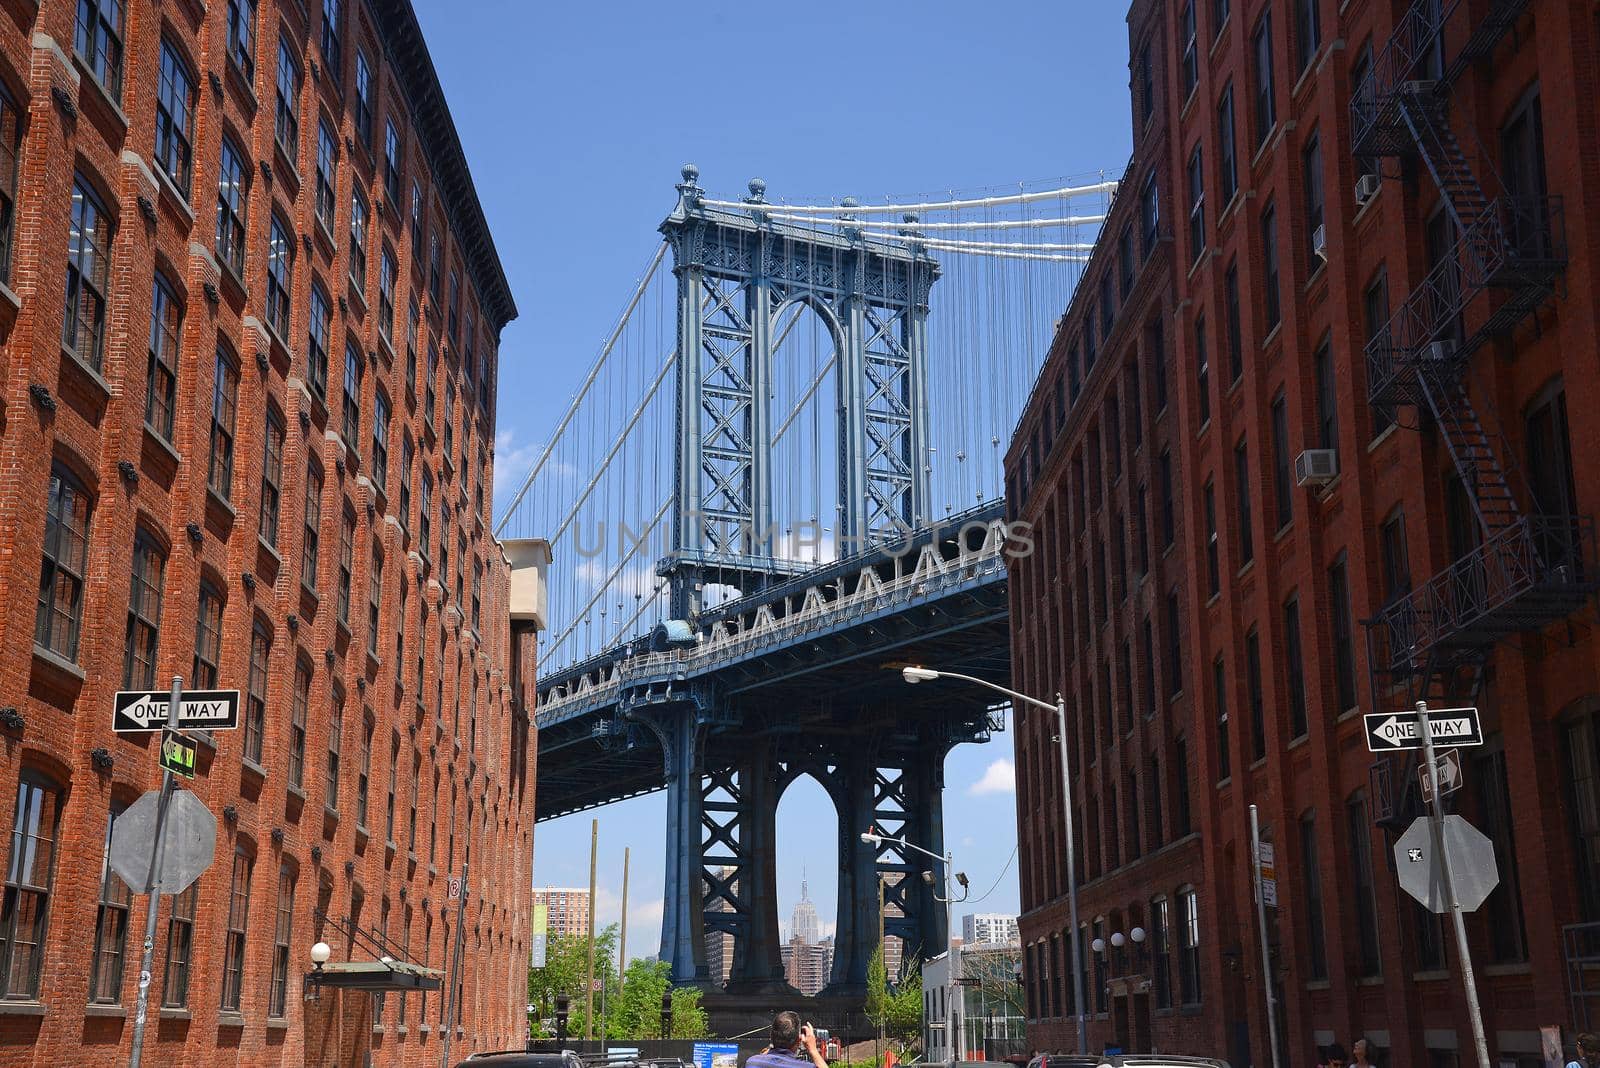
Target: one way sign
{"type": "Point", "coordinates": [146, 710]}
{"type": "Point", "coordinates": [1388, 732]}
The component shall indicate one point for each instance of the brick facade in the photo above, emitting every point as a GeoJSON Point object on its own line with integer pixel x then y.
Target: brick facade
{"type": "Point", "coordinates": [432, 747]}
{"type": "Point", "coordinates": [1275, 661]}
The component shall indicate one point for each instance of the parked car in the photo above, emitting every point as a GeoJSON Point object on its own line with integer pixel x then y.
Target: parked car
{"type": "Point", "coordinates": [523, 1059]}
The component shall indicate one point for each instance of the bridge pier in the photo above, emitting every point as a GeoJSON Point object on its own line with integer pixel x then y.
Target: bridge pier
{"type": "Point", "coordinates": [682, 930]}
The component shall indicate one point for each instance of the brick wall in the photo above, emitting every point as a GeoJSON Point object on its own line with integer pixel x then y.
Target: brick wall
{"type": "Point", "coordinates": [85, 414]}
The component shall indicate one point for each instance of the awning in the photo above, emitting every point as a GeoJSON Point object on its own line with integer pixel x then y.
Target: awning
{"type": "Point", "coordinates": [375, 975]}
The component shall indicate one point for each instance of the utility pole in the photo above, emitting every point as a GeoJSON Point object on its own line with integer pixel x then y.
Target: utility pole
{"type": "Point", "coordinates": [151, 886]}
{"type": "Point", "coordinates": [588, 987]}
{"type": "Point", "coordinates": [882, 952]}
{"type": "Point", "coordinates": [622, 947]}
{"type": "Point", "coordinates": [1078, 1000]}
{"type": "Point", "coordinates": [452, 969]}
{"type": "Point", "coordinates": [1463, 950]}
{"type": "Point", "coordinates": [1261, 921]}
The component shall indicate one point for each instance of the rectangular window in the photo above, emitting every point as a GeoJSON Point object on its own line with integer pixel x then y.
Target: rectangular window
{"type": "Point", "coordinates": [1508, 933]}
{"type": "Point", "coordinates": [1294, 665]}
{"type": "Point", "coordinates": [1227, 165]}
{"type": "Point", "coordinates": [175, 99]}
{"type": "Point", "coordinates": [1370, 961]}
{"type": "Point", "coordinates": [1181, 823]}
{"type": "Point", "coordinates": [1230, 296]}
{"type": "Point", "coordinates": [386, 296]}
{"type": "Point", "coordinates": [271, 477]}
{"type": "Point", "coordinates": [98, 42]}
{"type": "Point", "coordinates": [1213, 560]}
{"type": "Point", "coordinates": [286, 119]}
{"type": "Point", "coordinates": [1156, 343]}
{"type": "Point", "coordinates": [425, 514]}
{"type": "Point", "coordinates": [1327, 398]}
{"type": "Point", "coordinates": [10, 150]}
{"type": "Point", "coordinates": [364, 775]}
{"type": "Point", "coordinates": [1311, 162]}
{"type": "Point", "coordinates": [242, 37]}
{"type": "Point", "coordinates": [1241, 474]}
{"type": "Point", "coordinates": [1125, 261]}
{"type": "Point", "coordinates": [428, 387]}
{"type": "Point", "coordinates": [280, 276]}
{"type": "Point", "coordinates": [1189, 947]}
{"type": "Point", "coordinates": [238, 924]}
{"type": "Point", "coordinates": [352, 397]}
{"type": "Point", "coordinates": [297, 725]}
{"type": "Point", "coordinates": [332, 46]}
{"type": "Point", "coordinates": [477, 592]}
{"type": "Point", "coordinates": [207, 638]}
{"type": "Point", "coordinates": [278, 992]}
{"type": "Point", "coordinates": [1396, 557]}
{"type": "Point", "coordinates": [313, 529]}
{"type": "Point", "coordinates": [224, 403]}
{"type": "Point", "coordinates": [1219, 682]}
{"type": "Point", "coordinates": [110, 929]}
{"type": "Point", "coordinates": [1160, 952]}
{"type": "Point", "coordinates": [144, 615]}
{"type": "Point", "coordinates": [1197, 205]}
{"type": "Point", "coordinates": [1307, 31]}
{"type": "Point", "coordinates": [58, 616]}
{"type": "Point", "coordinates": [1142, 518]}
{"type": "Point", "coordinates": [363, 111]}
{"type": "Point", "coordinates": [233, 196]}
{"type": "Point", "coordinates": [1150, 214]}
{"type": "Point", "coordinates": [374, 603]}
{"type": "Point", "coordinates": [394, 773]}
{"type": "Point", "coordinates": [319, 323]}
{"type": "Point", "coordinates": [1174, 646]}
{"type": "Point", "coordinates": [412, 317]}
{"type": "Point", "coordinates": [1202, 371]}
{"type": "Point", "coordinates": [1108, 304]}
{"type": "Point", "coordinates": [1311, 887]}
{"type": "Point", "coordinates": [1272, 303]}
{"type": "Point", "coordinates": [255, 720]}
{"type": "Point", "coordinates": [161, 375]}
{"type": "Point", "coordinates": [1375, 307]}
{"type": "Point", "coordinates": [1344, 665]}
{"type": "Point", "coordinates": [380, 441]}
{"type": "Point", "coordinates": [407, 453]}
{"type": "Point", "coordinates": [180, 949]}
{"type": "Point", "coordinates": [1281, 481]}
{"type": "Point", "coordinates": [1362, 91]}
{"type": "Point", "coordinates": [347, 537]}
{"type": "Point", "coordinates": [327, 175]}
{"type": "Point", "coordinates": [1191, 50]}
{"type": "Point", "coordinates": [1266, 105]}
{"type": "Point", "coordinates": [391, 162]}
{"type": "Point", "coordinates": [1258, 709]}
{"type": "Point", "coordinates": [449, 419]}
{"type": "Point", "coordinates": [88, 275]}
{"type": "Point", "coordinates": [30, 880]}
{"type": "Point", "coordinates": [358, 241]}
{"type": "Point", "coordinates": [1147, 85]}
{"type": "Point", "coordinates": [335, 746]}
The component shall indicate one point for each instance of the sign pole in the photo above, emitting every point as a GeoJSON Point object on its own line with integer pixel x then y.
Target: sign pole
{"type": "Point", "coordinates": [1463, 950]}
{"type": "Point", "coordinates": [151, 887]}
{"type": "Point", "coordinates": [1261, 921]}
{"type": "Point", "coordinates": [452, 968]}
{"type": "Point", "coordinates": [1079, 1002]}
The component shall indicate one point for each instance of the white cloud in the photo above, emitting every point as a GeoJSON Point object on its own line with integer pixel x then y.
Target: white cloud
{"type": "Point", "coordinates": [512, 462]}
{"type": "Point", "coordinates": [1000, 777]}
{"type": "Point", "coordinates": [644, 919]}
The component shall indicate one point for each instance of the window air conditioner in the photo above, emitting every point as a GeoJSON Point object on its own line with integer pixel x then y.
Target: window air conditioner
{"type": "Point", "coordinates": [1316, 467]}
{"type": "Point", "coordinates": [1366, 188]}
{"type": "Point", "coordinates": [1319, 242]}
{"type": "Point", "coordinates": [1438, 351]}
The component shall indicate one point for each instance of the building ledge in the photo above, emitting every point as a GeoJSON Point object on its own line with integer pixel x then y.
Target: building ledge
{"type": "Point", "coordinates": [23, 1008]}
{"type": "Point", "coordinates": [170, 1013]}
{"type": "Point", "coordinates": [107, 1011]}
{"type": "Point", "coordinates": [230, 1019]}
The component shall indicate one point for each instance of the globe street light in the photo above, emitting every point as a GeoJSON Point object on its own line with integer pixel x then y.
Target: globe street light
{"type": "Point", "coordinates": [914, 674]}
{"type": "Point", "coordinates": [952, 951]}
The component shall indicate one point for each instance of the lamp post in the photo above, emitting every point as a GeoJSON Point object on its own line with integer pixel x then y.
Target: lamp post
{"type": "Point", "coordinates": [915, 675]}
{"type": "Point", "coordinates": [952, 951]}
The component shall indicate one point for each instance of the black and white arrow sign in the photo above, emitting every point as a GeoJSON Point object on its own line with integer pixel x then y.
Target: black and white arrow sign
{"type": "Point", "coordinates": [146, 710]}
{"type": "Point", "coordinates": [1388, 732]}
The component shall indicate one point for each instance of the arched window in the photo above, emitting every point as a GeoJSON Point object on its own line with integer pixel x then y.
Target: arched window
{"type": "Point", "coordinates": [59, 614]}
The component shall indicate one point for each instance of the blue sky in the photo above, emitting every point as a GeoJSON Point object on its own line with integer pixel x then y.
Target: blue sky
{"type": "Point", "coordinates": [576, 119]}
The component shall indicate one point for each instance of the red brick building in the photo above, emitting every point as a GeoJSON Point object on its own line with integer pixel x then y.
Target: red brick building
{"type": "Point", "coordinates": [250, 316]}
{"type": "Point", "coordinates": [1375, 229]}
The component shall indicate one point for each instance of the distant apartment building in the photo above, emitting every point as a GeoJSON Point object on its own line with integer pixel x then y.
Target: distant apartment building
{"type": "Point", "coordinates": [807, 965]}
{"type": "Point", "coordinates": [568, 907]}
{"type": "Point", "coordinates": [988, 928]}
{"type": "Point", "coordinates": [719, 944]}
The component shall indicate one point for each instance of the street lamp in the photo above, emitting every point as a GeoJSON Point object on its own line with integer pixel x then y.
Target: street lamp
{"type": "Point", "coordinates": [915, 674]}
{"type": "Point", "coordinates": [952, 951]}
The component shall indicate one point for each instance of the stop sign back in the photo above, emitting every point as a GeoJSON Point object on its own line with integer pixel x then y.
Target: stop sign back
{"type": "Point", "coordinates": [1472, 864]}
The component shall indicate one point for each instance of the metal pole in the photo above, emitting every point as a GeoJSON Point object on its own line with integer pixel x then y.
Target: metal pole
{"type": "Point", "coordinates": [953, 953]}
{"type": "Point", "coordinates": [141, 1005]}
{"type": "Point", "coordinates": [588, 987]}
{"type": "Point", "coordinates": [1436, 823]}
{"type": "Point", "coordinates": [1261, 920]}
{"type": "Point", "coordinates": [622, 947]}
{"type": "Point", "coordinates": [453, 969]}
{"type": "Point", "coordinates": [1072, 876]}
{"type": "Point", "coordinates": [882, 952]}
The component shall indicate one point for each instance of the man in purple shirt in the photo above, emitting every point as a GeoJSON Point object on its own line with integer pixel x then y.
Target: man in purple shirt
{"type": "Point", "coordinates": [789, 1038]}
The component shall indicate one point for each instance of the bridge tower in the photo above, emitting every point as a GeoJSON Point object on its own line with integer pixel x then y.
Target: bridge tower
{"type": "Point", "coordinates": [737, 271]}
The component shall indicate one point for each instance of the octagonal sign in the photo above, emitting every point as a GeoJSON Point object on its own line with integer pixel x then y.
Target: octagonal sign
{"type": "Point", "coordinates": [191, 834]}
{"type": "Point", "coordinates": [1472, 864]}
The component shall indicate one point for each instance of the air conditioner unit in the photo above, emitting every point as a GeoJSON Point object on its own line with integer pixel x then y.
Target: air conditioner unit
{"type": "Point", "coordinates": [1319, 242]}
{"type": "Point", "coordinates": [1366, 188]}
{"type": "Point", "coordinates": [1438, 351]}
{"type": "Point", "coordinates": [1316, 467]}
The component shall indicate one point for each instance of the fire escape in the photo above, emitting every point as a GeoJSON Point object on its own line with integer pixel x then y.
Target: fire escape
{"type": "Point", "coordinates": [1527, 568]}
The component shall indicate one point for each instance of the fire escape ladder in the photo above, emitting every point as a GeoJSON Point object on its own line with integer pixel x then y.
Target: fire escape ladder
{"type": "Point", "coordinates": [1497, 21]}
{"type": "Point", "coordinates": [1489, 489]}
{"type": "Point", "coordinates": [1470, 201]}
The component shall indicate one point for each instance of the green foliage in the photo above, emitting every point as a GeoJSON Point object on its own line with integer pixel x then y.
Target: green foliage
{"type": "Point", "coordinates": [629, 1010]}
{"type": "Point", "coordinates": [897, 1011]}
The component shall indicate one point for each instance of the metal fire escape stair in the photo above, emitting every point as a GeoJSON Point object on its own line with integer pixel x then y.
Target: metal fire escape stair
{"type": "Point", "coordinates": [1527, 571]}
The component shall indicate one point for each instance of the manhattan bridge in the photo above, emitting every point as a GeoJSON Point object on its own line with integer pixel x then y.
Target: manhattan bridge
{"type": "Point", "coordinates": [779, 480]}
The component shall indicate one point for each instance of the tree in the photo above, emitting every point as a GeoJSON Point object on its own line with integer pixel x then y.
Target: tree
{"type": "Point", "coordinates": [897, 1011]}
{"type": "Point", "coordinates": [635, 1013]}
{"type": "Point", "coordinates": [565, 972]}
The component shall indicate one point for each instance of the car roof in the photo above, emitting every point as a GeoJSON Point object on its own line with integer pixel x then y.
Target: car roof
{"type": "Point", "coordinates": [516, 1058]}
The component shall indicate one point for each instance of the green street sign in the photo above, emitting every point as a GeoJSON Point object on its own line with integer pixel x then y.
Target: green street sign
{"type": "Point", "coordinates": [177, 753]}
